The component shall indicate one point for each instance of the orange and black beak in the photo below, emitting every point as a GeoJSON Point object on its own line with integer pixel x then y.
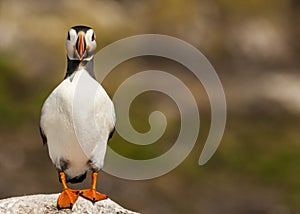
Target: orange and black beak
{"type": "Point", "coordinates": [81, 45]}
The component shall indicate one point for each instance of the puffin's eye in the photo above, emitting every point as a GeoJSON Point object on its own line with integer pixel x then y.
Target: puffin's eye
{"type": "Point", "coordinates": [68, 37]}
{"type": "Point", "coordinates": [93, 37]}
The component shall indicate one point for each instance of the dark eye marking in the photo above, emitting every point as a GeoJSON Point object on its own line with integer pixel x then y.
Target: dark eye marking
{"type": "Point", "coordinates": [93, 37]}
{"type": "Point", "coordinates": [68, 37]}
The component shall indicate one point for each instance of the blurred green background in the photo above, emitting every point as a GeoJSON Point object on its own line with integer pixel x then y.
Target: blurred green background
{"type": "Point", "coordinates": [254, 47]}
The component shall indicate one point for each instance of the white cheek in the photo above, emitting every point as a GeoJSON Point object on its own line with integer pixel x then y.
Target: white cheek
{"type": "Point", "coordinates": [93, 46]}
{"type": "Point", "coordinates": [70, 49]}
{"type": "Point", "coordinates": [70, 43]}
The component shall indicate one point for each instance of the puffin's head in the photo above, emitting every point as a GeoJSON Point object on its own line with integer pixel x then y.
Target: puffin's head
{"type": "Point", "coordinates": [81, 43]}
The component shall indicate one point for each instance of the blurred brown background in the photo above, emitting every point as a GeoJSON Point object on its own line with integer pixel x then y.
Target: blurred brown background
{"type": "Point", "coordinates": [254, 47]}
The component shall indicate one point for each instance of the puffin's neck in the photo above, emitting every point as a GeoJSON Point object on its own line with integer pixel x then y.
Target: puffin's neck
{"type": "Point", "coordinates": [75, 65]}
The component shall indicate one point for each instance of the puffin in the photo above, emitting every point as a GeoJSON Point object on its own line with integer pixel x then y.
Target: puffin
{"type": "Point", "coordinates": [74, 145]}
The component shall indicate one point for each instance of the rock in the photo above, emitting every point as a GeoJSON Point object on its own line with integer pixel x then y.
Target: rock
{"type": "Point", "coordinates": [47, 204]}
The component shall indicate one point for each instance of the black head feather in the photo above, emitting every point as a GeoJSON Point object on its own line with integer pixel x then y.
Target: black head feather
{"type": "Point", "coordinates": [81, 28]}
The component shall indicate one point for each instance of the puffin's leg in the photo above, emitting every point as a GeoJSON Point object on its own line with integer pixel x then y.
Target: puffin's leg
{"type": "Point", "coordinates": [92, 194]}
{"type": "Point", "coordinates": [68, 196]}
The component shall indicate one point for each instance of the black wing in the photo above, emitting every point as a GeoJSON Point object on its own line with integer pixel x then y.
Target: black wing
{"type": "Point", "coordinates": [44, 138]}
{"type": "Point", "coordinates": [111, 133]}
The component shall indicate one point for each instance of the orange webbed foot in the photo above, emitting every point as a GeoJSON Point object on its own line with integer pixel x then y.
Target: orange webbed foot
{"type": "Point", "coordinates": [92, 195]}
{"type": "Point", "coordinates": [67, 199]}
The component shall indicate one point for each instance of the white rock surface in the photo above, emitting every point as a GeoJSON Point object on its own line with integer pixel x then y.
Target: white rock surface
{"type": "Point", "coordinates": [47, 204]}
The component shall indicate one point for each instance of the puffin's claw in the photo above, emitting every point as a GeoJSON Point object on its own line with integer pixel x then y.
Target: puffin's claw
{"type": "Point", "coordinates": [67, 199]}
{"type": "Point", "coordinates": [92, 195]}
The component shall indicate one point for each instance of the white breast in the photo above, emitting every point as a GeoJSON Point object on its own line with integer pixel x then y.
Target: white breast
{"type": "Point", "coordinates": [76, 129]}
